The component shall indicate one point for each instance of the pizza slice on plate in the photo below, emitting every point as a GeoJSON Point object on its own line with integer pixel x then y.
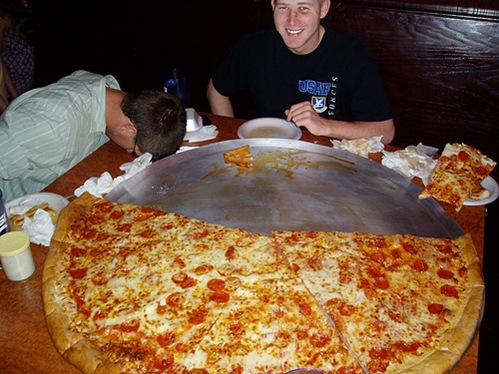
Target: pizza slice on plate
{"type": "Point", "coordinates": [458, 174]}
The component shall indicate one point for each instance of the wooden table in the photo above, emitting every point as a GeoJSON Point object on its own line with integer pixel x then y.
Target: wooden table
{"type": "Point", "coordinates": [25, 345]}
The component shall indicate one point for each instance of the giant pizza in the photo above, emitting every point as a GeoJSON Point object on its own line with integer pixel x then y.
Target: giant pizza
{"type": "Point", "coordinates": [137, 290]}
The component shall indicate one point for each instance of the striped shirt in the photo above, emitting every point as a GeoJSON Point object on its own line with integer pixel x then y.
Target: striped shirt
{"type": "Point", "coordinates": [48, 130]}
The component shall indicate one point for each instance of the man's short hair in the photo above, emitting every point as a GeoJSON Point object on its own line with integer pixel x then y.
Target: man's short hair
{"type": "Point", "coordinates": [160, 120]}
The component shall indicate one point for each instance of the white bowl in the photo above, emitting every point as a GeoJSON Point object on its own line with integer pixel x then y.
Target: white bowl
{"type": "Point", "coordinates": [269, 127]}
{"type": "Point", "coordinates": [22, 204]}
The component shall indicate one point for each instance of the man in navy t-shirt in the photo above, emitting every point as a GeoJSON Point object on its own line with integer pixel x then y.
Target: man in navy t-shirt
{"type": "Point", "coordinates": [315, 76]}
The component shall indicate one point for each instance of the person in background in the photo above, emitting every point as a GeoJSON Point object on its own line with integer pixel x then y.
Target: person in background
{"type": "Point", "coordinates": [48, 130]}
{"type": "Point", "coordinates": [16, 45]}
{"type": "Point", "coordinates": [313, 75]}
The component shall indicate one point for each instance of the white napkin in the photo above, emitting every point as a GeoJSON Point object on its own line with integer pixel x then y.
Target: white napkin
{"type": "Point", "coordinates": [105, 183]}
{"type": "Point", "coordinates": [203, 134]}
{"type": "Point", "coordinates": [184, 148]}
{"type": "Point", "coordinates": [40, 229]}
{"type": "Point", "coordinates": [25, 204]}
{"type": "Point", "coordinates": [413, 161]}
{"type": "Point", "coordinates": [361, 147]}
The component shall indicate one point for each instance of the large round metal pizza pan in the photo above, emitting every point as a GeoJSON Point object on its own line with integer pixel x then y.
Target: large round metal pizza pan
{"type": "Point", "coordinates": [294, 185]}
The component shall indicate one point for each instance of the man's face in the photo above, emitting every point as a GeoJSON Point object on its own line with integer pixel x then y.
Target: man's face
{"type": "Point", "coordinates": [298, 23]}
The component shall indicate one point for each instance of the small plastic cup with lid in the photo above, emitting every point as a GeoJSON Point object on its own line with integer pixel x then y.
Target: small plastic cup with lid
{"type": "Point", "coordinates": [16, 257]}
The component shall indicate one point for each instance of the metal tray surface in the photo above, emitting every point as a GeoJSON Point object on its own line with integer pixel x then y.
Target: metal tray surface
{"type": "Point", "coordinates": [294, 185]}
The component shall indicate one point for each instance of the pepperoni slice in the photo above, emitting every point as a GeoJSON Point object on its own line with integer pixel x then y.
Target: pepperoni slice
{"type": "Point", "coordinates": [180, 262]}
{"type": "Point", "coordinates": [378, 256]}
{"type": "Point", "coordinates": [435, 308]}
{"type": "Point", "coordinates": [420, 265]}
{"type": "Point", "coordinates": [179, 277]}
{"type": "Point", "coordinates": [315, 263]}
{"type": "Point", "coordinates": [204, 371]}
{"type": "Point", "coordinates": [78, 273]}
{"type": "Point", "coordinates": [408, 347]}
{"type": "Point", "coordinates": [188, 282]}
{"type": "Point", "coordinates": [480, 170]}
{"type": "Point", "coordinates": [220, 297]}
{"type": "Point", "coordinates": [305, 309]}
{"type": "Point", "coordinates": [345, 370]}
{"type": "Point", "coordinates": [164, 362]}
{"type": "Point", "coordinates": [381, 282]}
{"type": "Point", "coordinates": [231, 253]}
{"type": "Point", "coordinates": [175, 299]}
{"type": "Point", "coordinates": [129, 326]}
{"type": "Point", "coordinates": [203, 269]}
{"type": "Point", "coordinates": [216, 284]}
{"type": "Point", "coordinates": [463, 156]}
{"type": "Point", "coordinates": [77, 252]}
{"type": "Point", "coordinates": [237, 329]}
{"type": "Point", "coordinates": [198, 316]}
{"type": "Point", "coordinates": [396, 253]}
{"type": "Point", "coordinates": [117, 214]}
{"type": "Point", "coordinates": [89, 233]}
{"type": "Point", "coordinates": [408, 247]}
{"type": "Point", "coordinates": [127, 227]}
{"type": "Point", "coordinates": [449, 290]}
{"type": "Point", "coordinates": [445, 248]}
{"type": "Point", "coordinates": [105, 207]}
{"type": "Point", "coordinates": [378, 353]}
{"type": "Point", "coordinates": [183, 280]}
{"type": "Point", "coordinates": [445, 274]}
{"type": "Point", "coordinates": [347, 310]}
{"type": "Point", "coordinates": [319, 340]}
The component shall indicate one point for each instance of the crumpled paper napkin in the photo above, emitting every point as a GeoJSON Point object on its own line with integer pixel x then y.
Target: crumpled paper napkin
{"type": "Point", "coordinates": [361, 147]}
{"type": "Point", "coordinates": [40, 229]}
{"type": "Point", "coordinates": [413, 161]}
{"type": "Point", "coordinates": [105, 183]}
{"type": "Point", "coordinates": [203, 134]}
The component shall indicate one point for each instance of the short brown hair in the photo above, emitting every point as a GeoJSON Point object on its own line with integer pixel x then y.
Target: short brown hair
{"type": "Point", "coordinates": [160, 120]}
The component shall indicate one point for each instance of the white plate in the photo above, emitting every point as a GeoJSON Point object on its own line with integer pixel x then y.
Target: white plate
{"type": "Point", "coordinates": [56, 202]}
{"type": "Point", "coordinates": [269, 127]}
{"type": "Point", "coordinates": [491, 185]}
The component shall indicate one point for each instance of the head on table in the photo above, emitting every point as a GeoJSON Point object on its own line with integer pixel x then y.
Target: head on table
{"type": "Point", "coordinates": [48, 130]}
{"type": "Point", "coordinates": [145, 121]}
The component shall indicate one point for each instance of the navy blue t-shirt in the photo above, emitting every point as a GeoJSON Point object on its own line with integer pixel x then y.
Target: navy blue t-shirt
{"type": "Point", "coordinates": [339, 77]}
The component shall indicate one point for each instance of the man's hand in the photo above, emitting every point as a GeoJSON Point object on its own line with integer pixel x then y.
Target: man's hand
{"type": "Point", "coordinates": [304, 115]}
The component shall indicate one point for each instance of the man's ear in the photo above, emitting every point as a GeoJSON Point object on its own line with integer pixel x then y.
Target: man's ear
{"type": "Point", "coordinates": [326, 4]}
{"type": "Point", "coordinates": [128, 127]}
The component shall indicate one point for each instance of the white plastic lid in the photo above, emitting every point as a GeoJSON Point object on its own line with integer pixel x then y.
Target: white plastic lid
{"type": "Point", "coordinates": [13, 243]}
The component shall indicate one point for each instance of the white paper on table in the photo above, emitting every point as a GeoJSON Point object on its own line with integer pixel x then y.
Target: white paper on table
{"type": "Point", "coordinates": [99, 186]}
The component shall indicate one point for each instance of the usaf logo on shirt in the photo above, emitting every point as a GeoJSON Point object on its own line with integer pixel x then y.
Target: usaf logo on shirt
{"type": "Point", "coordinates": [319, 91]}
{"type": "Point", "coordinates": [319, 103]}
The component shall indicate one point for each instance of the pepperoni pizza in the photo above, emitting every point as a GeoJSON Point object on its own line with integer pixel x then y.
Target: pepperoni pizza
{"type": "Point", "coordinates": [136, 290]}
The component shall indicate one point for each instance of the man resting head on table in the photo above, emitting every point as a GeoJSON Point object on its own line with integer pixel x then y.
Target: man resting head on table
{"type": "Point", "coordinates": [48, 130]}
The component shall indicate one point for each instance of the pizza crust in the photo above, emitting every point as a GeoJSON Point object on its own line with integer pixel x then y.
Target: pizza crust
{"type": "Point", "coordinates": [72, 345]}
{"type": "Point", "coordinates": [456, 341]}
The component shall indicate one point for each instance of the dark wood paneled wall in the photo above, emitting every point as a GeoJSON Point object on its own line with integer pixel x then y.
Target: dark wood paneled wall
{"type": "Point", "coordinates": [440, 67]}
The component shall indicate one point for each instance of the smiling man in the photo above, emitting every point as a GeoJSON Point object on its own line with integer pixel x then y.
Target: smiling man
{"type": "Point", "coordinates": [313, 75]}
